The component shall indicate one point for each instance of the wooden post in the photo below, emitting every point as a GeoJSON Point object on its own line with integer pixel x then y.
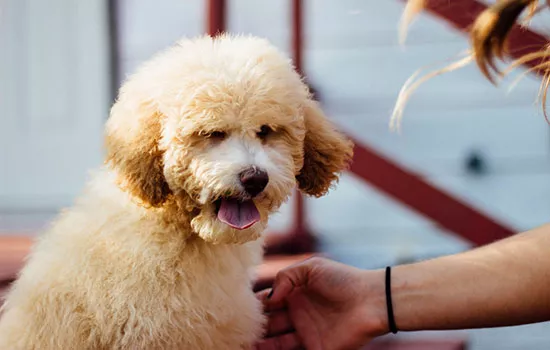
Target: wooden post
{"type": "Point", "coordinates": [216, 21]}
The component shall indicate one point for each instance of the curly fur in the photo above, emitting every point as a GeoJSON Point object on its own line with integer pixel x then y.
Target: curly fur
{"type": "Point", "coordinates": [327, 152]}
{"type": "Point", "coordinates": [488, 36]}
{"type": "Point", "coordinates": [141, 261]}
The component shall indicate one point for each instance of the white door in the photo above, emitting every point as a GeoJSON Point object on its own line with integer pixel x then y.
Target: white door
{"type": "Point", "coordinates": [54, 99]}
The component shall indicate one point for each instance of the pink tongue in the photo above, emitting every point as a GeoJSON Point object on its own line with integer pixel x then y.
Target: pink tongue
{"type": "Point", "coordinates": [239, 215]}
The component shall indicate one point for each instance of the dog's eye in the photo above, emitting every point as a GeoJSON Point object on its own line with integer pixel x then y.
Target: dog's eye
{"type": "Point", "coordinates": [265, 130]}
{"type": "Point", "coordinates": [217, 135]}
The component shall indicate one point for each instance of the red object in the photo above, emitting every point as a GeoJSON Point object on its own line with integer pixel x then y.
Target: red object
{"type": "Point", "coordinates": [216, 21]}
{"type": "Point", "coordinates": [300, 239]}
{"type": "Point", "coordinates": [461, 14]}
{"type": "Point", "coordinates": [297, 34]}
{"type": "Point", "coordinates": [13, 250]}
{"type": "Point", "coordinates": [424, 198]}
{"type": "Point", "coordinates": [411, 344]}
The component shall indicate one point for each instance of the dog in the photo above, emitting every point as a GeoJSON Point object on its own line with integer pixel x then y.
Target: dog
{"type": "Point", "coordinates": [204, 142]}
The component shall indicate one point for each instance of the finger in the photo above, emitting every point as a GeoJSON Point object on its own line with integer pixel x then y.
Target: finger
{"type": "Point", "coordinates": [279, 323]}
{"type": "Point", "coordinates": [262, 295]}
{"type": "Point", "coordinates": [289, 341]}
{"type": "Point", "coordinates": [270, 306]}
{"type": "Point", "coordinates": [288, 279]}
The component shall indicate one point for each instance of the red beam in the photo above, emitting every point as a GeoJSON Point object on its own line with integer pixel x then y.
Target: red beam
{"type": "Point", "coordinates": [299, 224]}
{"type": "Point", "coordinates": [461, 14]}
{"type": "Point", "coordinates": [297, 34]}
{"type": "Point", "coordinates": [411, 190]}
{"type": "Point", "coordinates": [302, 240]}
{"type": "Point", "coordinates": [216, 22]}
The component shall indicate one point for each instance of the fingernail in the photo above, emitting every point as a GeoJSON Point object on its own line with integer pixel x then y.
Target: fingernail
{"type": "Point", "coordinates": [270, 294]}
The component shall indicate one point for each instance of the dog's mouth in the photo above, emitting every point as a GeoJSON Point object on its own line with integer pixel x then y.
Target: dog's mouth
{"type": "Point", "coordinates": [238, 213]}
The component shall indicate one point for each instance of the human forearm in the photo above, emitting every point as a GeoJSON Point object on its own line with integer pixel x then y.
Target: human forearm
{"type": "Point", "coordinates": [320, 301]}
{"type": "Point", "coordinates": [506, 283]}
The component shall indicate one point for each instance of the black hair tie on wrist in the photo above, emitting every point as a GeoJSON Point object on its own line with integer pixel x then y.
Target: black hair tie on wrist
{"type": "Point", "coordinates": [391, 319]}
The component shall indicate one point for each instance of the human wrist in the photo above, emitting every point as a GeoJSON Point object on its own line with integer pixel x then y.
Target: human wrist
{"type": "Point", "coordinates": [406, 288]}
{"type": "Point", "coordinates": [416, 292]}
{"type": "Point", "coordinates": [373, 304]}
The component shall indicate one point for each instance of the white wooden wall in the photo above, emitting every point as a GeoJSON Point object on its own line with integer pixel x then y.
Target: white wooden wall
{"type": "Point", "coordinates": [54, 96]}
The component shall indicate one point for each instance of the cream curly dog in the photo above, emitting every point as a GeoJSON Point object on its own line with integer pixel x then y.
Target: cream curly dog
{"type": "Point", "coordinates": [205, 141]}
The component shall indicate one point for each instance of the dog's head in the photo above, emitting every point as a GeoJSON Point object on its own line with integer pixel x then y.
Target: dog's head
{"type": "Point", "coordinates": [228, 124]}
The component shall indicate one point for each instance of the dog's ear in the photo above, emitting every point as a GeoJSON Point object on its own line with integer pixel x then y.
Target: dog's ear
{"type": "Point", "coordinates": [132, 144]}
{"type": "Point", "coordinates": [327, 152]}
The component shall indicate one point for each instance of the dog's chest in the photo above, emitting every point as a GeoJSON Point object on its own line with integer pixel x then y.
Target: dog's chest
{"type": "Point", "coordinates": [216, 317]}
{"type": "Point", "coordinates": [208, 304]}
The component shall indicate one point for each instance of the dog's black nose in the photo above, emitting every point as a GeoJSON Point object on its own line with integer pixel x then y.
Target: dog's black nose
{"type": "Point", "coordinates": [254, 181]}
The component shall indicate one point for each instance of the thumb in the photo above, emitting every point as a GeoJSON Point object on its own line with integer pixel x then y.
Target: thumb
{"type": "Point", "coordinates": [288, 279]}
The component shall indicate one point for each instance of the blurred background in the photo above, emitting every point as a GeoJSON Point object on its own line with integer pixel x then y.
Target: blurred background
{"type": "Point", "coordinates": [470, 165]}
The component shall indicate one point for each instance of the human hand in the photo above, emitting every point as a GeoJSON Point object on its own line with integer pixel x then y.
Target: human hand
{"type": "Point", "coordinates": [322, 304]}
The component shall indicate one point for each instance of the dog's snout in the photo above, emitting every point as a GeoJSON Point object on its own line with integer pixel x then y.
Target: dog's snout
{"type": "Point", "coordinates": [254, 180]}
